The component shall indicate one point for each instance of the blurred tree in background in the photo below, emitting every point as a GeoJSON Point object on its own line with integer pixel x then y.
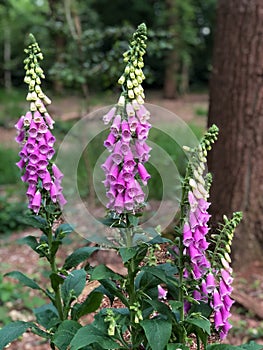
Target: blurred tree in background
{"type": "Point", "coordinates": [83, 41]}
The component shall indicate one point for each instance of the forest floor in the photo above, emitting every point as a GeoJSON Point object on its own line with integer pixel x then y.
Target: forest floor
{"type": "Point", "coordinates": [247, 312]}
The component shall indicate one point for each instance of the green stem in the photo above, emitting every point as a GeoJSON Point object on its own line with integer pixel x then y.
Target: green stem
{"type": "Point", "coordinates": [198, 343]}
{"type": "Point", "coordinates": [53, 265]}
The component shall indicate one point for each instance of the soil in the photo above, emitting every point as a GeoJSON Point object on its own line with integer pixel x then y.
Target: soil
{"type": "Point", "coordinates": [247, 312]}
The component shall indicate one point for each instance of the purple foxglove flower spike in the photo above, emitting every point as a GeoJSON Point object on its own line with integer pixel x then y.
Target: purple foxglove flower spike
{"type": "Point", "coordinates": [37, 140]}
{"type": "Point", "coordinates": [126, 141]}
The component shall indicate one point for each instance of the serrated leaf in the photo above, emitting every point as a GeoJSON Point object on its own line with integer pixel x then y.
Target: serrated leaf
{"type": "Point", "coordinates": [252, 346]}
{"type": "Point", "coordinates": [26, 281]}
{"type": "Point", "coordinates": [161, 308]}
{"type": "Point", "coordinates": [156, 272]}
{"type": "Point", "coordinates": [65, 333]}
{"type": "Point", "coordinates": [127, 253]}
{"type": "Point", "coordinates": [89, 335]}
{"type": "Point", "coordinates": [158, 332]}
{"type": "Point", "coordinates": [91, 304]}
{"type": "Point", "coordinates": [31, 241]}
{"type": "Point", "coordinates": [63, 230]}
{"type": "Point", "coordinates": [36, 330]}
{"type": "Point", "coordinates": [111, 287]}
{"type": "Point", "coordinates": [35, 221]}
{"type": "Point", "coordinates": [47, 316]}
{"type": "Point", "coordinates": [78, 256]}
{"type": "Point", "coordinates": [12, 331]}
{"type": "Point", "coordinates": [200, 322]}
{"type": "Point", "coordinates": [56, 280]}
{"type": "Point", "coordinates": [73, 284]}
{"type": "Point", "coordinates": [102, 272]}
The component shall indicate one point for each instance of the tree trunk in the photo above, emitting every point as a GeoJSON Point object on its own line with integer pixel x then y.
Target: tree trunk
{"type": "Point", "coordinates": [236, 106]}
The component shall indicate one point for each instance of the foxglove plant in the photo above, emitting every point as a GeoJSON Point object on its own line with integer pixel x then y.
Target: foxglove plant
{"type": "Point", "coordinates": [162, 303]}
{"type": "Point", "coordinates": [46, 201]}
{"type": "Point", "coordinates": [209, 271]}
{"type": "Point", "coordinates": [124, 168]}
{"type": "Point", "coordinates": [40, 173]}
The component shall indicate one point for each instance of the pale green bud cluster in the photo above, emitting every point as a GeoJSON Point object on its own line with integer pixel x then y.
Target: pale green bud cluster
{"type": "Point", "coordinates": [224, 239]}
{"type": "Point", "coordinates": [198, 183]}
{"type": "Point", "coordinates": [133, 76]}
{"type": "Point", "coordinates": [34, 74]}
{"type": "Point", "coordinates": [138, 313]}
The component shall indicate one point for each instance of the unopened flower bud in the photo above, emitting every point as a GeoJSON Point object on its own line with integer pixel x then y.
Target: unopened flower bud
{"type": "Point", "coordinates": [33, 107]}
{"type": "Point", "coordinates": [131, 94]}
{"type": "Point", "coordinates": [129, 84]}
{"type": "Point", "coordinates": [121, 101]}
{"type": "Point", "coordinates": [121, 80]}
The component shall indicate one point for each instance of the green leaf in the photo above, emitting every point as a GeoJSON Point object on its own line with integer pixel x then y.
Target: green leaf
{"type": "Point", "coordinates": [176, 305]}
{"type": "Point", "coordinates": [202, 308]}
{"type": "Point", "coordinates": [89, 335]}
{"type": "Point", "coordinates": [112, 289]}
{"type": "Point", "coordinates": [40, 332]}
{"type": "Point", "coordinates": [47, 316]}
{"type": "Point", "coordinates": [158, 332]}
{"type": "Point", "coordinates": [23, 279]}
{"type": "Point", "coordinates": [56, 280]}
{"type": "Point", "coordinates": [161, 308]}
{"type": "Point", "coordinates": [31, 241]}
{"type": "Point", "coordinates": [12, 331]}
{"type": "Point", "coordinates": [35, 221]}
{"type": "Point", "coordinates": [177, 346]}
{"type": "Point", "coordinates": [112, 222]}
{"type": "Point", "coordinates": [65, 333]}
{"type": "Point", "coordinates": [63, 230]}
{"type": "Point", "coordinates": [156, 272]}
{"type": "Point", "coordinates": [251, 346]}
{"type": "Point", "coordinates": [54, 247]}
{"type": "Point", "coordinates": [74, 284]}
{"type": "Point", "coordinates": [102, 272]}
{"type": "Point", "coordinates": [127, 253]}
{"type": "Point", "coordinates": [199, 321]}
{"type": "Point", "coordinates": [224, 347]}
{"type": "Point", "coordinates": [91, 304]}
{"type": "Point", "coordinates": [78, 256]}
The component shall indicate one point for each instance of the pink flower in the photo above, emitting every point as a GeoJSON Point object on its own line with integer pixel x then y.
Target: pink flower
{"type": "Point", "coordinates": [36, 202]}
{"type": "Point", "coordinates": [162, 293]}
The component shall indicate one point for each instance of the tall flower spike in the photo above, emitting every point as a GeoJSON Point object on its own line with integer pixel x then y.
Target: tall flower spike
{"type": "Point", "coordinates": [221, 266]}
{"type": "Point", "coordinates": [36, 139]}
{"type": "Point", "coordinates": [196, 227]}
{"type": "Point", "coordinates": [124, 169]}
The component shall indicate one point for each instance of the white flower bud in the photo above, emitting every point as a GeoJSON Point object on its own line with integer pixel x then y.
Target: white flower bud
{"type": "Point", "coordinates": [121, 101]}
{"type": "Point", "coordinates": [192, 183]}
{"type": "Point", "coordinates": [33, 107]}
{"type": "Point", "coordinates": [131, 94]}
{"type": "Point", "coordinates": [129, 84]}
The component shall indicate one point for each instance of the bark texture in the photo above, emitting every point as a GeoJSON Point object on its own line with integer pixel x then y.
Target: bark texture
{"type": "Point", "coordinates": [236, 107]}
